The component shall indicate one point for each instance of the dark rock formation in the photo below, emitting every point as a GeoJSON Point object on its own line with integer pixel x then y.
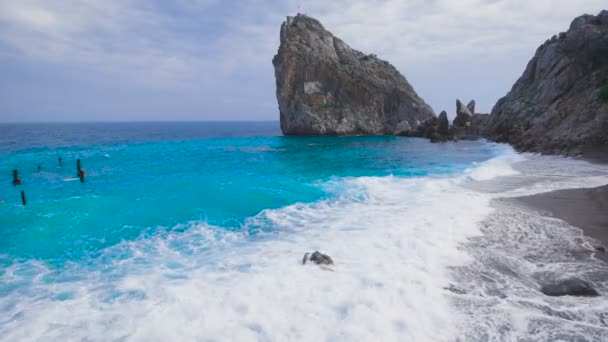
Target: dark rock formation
{"type": "Point", "coordinates": [441, 131]}
{"type": "Point", "coordinates": [317, 258]}
{"type": "Point", "coordinates": [463, 115]}
{"type": "Point", "coordinates": [560, 103]}
{"type": "Point", "coordinates": [467, 124]}
{"type": "Point", "coordinates": [570, 287]}
{"type": "Point", "coordinates": [478, 124]}
{"type": "Point", "coordinates": [427, 127]}
{"type": "Point", "coordinates": [471, 106]}
{"type": "Point", "coordinates": [443, 125]}
{"type": "Point", "coordinates": [324, 87]}
{"type": "Point", "coordinates": [437, 129]}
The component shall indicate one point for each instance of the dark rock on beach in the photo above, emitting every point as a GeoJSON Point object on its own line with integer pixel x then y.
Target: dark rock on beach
{"type": "Point", "coordinates": [560, 103]}
{"type": "Point", "coordinates": [324, 87]}
{"type": "Point", "coordinates": [570, 287]}
{"type": "Point", "coordinates": [317, 258]}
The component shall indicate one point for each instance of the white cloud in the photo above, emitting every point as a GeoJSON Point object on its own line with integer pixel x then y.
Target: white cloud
{"type": "Point", "coordinates": [414, 30]}
{"type": "Point", "coordinates": [145, 44]}
{"type": "Point", "coordinates": [118, 37]}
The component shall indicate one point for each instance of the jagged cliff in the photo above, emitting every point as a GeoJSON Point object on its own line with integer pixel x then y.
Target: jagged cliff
{"type": "Point", "coordinates": [324, 87]}
{"type": "Point", "coordinates": [560, 103]}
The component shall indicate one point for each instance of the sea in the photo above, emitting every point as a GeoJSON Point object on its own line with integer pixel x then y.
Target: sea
{"type": "Point", "coordinates": [195, 231]}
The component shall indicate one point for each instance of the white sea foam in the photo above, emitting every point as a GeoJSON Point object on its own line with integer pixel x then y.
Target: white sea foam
{"type": "Point", "coordinates": [496, 167]}
{"type": "Point", "coordinates": [394, 242]}
{"type": "Point", "coordinates": [391, 248]}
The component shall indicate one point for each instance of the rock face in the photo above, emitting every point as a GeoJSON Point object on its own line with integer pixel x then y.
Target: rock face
{"type": "Point", "coordinates": [317, 258]}
{"type": "Point", "coordinates": [464, 114]}
{"type": "Point", "coordinates": [560, 103]}
{"type": "Point", "coordinates": [437, 129]}
{"type": "Point", "coordinates": [467, 124]}
{"type": "Point", "coordinates": [471, 106]}
{"type": "Point", "coordinates": [324, 87]}
{"type": "Point", "coordinates": [570, 287]}
{"type": "Point", "coordinates": [443, 125]}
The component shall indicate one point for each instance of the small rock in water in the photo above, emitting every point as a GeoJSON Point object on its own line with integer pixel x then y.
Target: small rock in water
{"type": "Point", "coordinates": [570, 287]}
{"type": "Point", "coordinates": [317, 258]}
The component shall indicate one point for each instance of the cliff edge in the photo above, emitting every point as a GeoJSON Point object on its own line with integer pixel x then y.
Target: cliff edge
{"type": "Point", "coordinates": [560, 103]}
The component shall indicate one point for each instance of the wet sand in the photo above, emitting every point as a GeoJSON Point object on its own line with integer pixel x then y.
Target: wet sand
{"type": "Point", "coordinates": [586, 209]}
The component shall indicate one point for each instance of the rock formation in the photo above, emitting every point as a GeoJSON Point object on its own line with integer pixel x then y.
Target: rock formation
{"type": "Point", "coordinates": [317, 258]}
{"type": "Point", "coordinates": [463, 114]}
{"type": "Point", "coordinates": [560, 103]}
{"type": "Point", "coordinates": [324, 87]}
{"type": "Point", "coordinates": [570, 287]}
{"type": "Point", "coordinates": [467, 124]}
{"type": "Point", "coordinates": [437, 129]}
{"type": "Point", "coordinates": [443, 125]}
{"type": "Point", "coordinates": [471, 106]}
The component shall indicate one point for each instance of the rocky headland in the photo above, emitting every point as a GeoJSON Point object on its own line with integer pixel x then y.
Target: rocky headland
{"type": "Point", "coordinates": [559, 105]}
{"type": "Point", "coordinates": [324, 87]}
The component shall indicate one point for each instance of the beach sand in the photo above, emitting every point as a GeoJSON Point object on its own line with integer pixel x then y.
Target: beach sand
{"type": "Point", "coordinates": [586, 209]}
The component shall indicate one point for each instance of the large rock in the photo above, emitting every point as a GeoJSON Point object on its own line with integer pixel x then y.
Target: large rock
{"type": "Point", "coordinates": [471, 107]}
{"type": "Point", "coordinates": [560, 103]}
{"type": "Point", "coordinates": [317, 258]}
{"type": "Point", "coordinates": [463, 115]}
{"type": "Point", "coordinates": [437, 129]}
{"type": "Point", "coordinates": [570, 287]}
{"type": "Point", "coordinates": [467, 124]}
{"type": "Point", "coordinates": [324, 87]}
{"type": "Point", "coordinates": [443, 125]}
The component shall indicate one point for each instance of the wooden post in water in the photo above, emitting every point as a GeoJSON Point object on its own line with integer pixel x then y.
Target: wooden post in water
{"type": "Point", "coordinates": [16, 180]}
{"type": "Point", "coordinates": [80, 171]}
{"type": "Point", "coordinates": [23, 198]}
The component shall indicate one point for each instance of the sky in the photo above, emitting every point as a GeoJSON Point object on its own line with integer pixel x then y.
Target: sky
{"type": "Point", "coordinates": [157, 60]}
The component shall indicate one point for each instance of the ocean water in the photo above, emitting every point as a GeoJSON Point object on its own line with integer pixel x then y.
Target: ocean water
{"type": "Point", "coordinates": [196, 231]}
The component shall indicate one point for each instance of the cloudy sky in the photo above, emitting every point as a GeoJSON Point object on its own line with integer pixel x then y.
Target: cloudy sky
{"type": "Point", "coordinates": [132, 60]}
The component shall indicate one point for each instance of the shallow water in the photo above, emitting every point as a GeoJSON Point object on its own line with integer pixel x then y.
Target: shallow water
{"type": "Point", "coordinates": [188, 232]}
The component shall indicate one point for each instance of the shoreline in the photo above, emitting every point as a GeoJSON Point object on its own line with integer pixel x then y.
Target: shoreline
{"type": "Point", "coordinates": [583, 208]}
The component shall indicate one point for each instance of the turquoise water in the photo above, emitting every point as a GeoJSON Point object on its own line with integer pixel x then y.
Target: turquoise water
{"type": "Point", "coordinates": [196, 231]}
{"type": "Point", "coordinates": [189, 230]}
{"type": "Point", "coordinates": [143, 183]}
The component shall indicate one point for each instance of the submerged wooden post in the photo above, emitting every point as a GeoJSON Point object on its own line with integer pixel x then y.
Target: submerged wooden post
{"type": "Point", "coordinates": [23, 198]}
{"type": "Point", "coordinates": [80, 171]}
{"type": "Point", "coordinates": [16, 180]}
